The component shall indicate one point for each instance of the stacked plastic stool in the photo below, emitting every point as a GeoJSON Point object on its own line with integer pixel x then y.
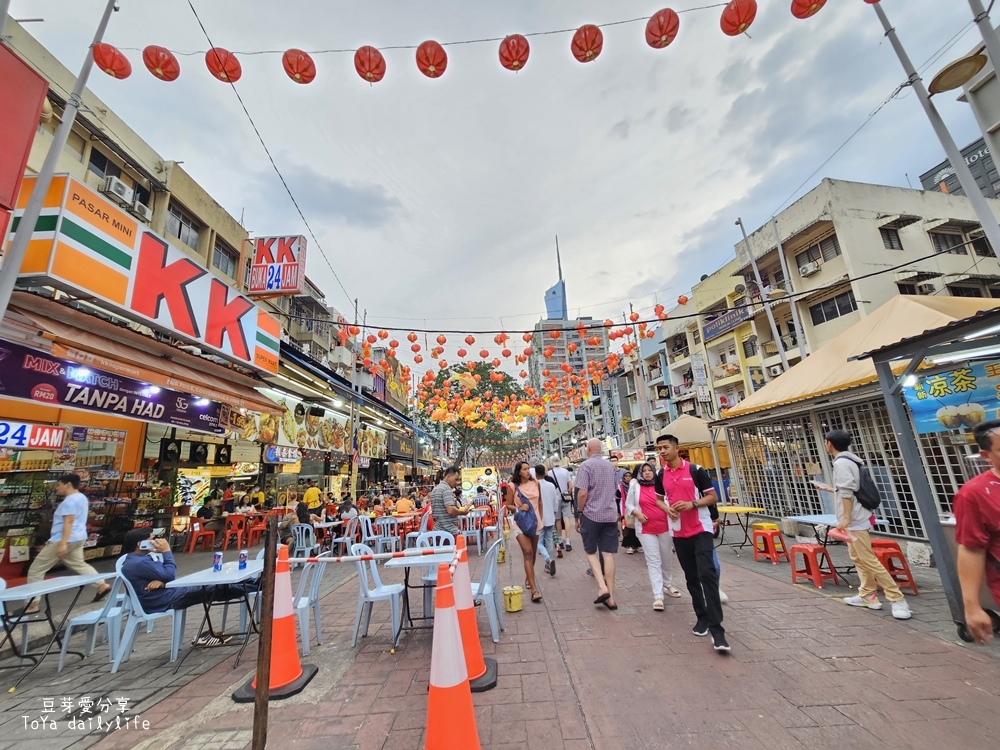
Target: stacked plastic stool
{"type": "Point", "coordinates": [813, 556]}
{"type": "Point", "coordinates": [768, 543]}
{"type": "Point", "coordinates": [893, 560]}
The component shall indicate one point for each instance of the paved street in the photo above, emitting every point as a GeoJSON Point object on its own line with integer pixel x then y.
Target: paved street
{"type": "Point", "coordinates": [805, 671]}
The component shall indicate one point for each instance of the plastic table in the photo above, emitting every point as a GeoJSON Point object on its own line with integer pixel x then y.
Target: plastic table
{"type": "Point", "coordinates": [446, 555]}
{"type": "Point", "coordinates": [742, 513]}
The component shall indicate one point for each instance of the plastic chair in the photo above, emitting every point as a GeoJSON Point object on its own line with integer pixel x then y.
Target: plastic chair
{"type": "Point", "coordinates": [236, 527]}
{"type": "Point", "coordinates": [305, 540]}
{"type": "Point", "coordinates": [368, 535]}
{"type": "Point", "coordinates": [428, 573]}
{"type": "Point", "coordinates": [350, 535]}
{"type": "Point", "coordinates": [813, 556]}
{"type": "Point", "coordinates": [900, 573]}
{"type": "Point", "coordinates": [769, 545]}
{"type": "Point", "coordinates": [488, 592]}
{"type": "Point", "coordinates": [198, 535]}
{"type": "Point", "coordinates": [110, 615]}
{"type": "Point", "coordinates": [414, 535]}
{"type": "Point", "coordinates": [387, 533]}
{"type": "Point", "coordinates": [306, 599]}
{"type": "Point", "coordinates": [255, 532]}
{"type": "Point", "coordinates": [377, 592]}
{"type": "Point", "coordinates": [138, 616]}
{"type": "Point", "coordinates": [468, 526]}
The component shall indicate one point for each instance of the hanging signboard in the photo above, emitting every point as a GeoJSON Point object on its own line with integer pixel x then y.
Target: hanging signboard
{"type": "Point", "coordinates": [400, 446]}
{"type": "Point", "coordinates": [278, 267]}
{"type": "Point", "coordinates": [24, 435]}
{"type": "Point", "coordinates": [84, 244]}
{"type": "Point", "coordinates": [371, 442]}
{"type": "Point", "coordinates": [281, 454]}
{"type": "Point", "coordinates": [953, 399]}
{"type": "Point", "coordinates": [724, 323]}
{"type": "Point", "coordinates": [296, 427]}
{"type": "Point", "coordinates": [485, 477]}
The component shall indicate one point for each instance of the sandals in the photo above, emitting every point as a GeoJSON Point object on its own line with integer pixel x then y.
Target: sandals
{"type": "Point", "coordinates": [672, 591]}
{"type": "Point", "coordinates": [602, 598]}
{"type": "Point", "coordinates": [536, 597]}
{"type": "Point", "coordinates": [658, 605]}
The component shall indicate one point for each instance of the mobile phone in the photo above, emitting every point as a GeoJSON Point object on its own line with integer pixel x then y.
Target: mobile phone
{"type": "Point", "coordinates": [159, 532]}
{"type": "Point", "coordinates": [146, 546]}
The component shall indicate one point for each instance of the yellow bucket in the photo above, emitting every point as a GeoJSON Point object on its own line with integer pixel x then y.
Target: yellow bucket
{"type": "Point", "coordinates": [501, 555]}
{"type": "Point", "coordinates": [512, 596]}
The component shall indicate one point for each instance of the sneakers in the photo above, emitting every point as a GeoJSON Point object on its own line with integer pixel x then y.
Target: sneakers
{"type": "Point", "coordinates": [700, 629]}
{"type": "Point", "coordinates": [208, 639]}
{"type": "Point", "coordinates": [871, 602]}
{"type": "Point", "coordinates": [723, 599]}
{"type": "Point", "coordinates": [569, 547]}
{"type": "Point", "coordinates": [629, 551]}
{"type": "Point", "coordinates": [719, 643]}
{"type": "Point", "coordinates": [901, 610]}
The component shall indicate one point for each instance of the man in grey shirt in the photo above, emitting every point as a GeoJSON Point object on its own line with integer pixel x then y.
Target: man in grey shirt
{"type": "Point", "coordinates": [444, 504]}
{"type": "Point", "coordinates": [597, 519]}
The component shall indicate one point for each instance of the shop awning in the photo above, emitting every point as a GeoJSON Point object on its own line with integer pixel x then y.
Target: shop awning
{"type": "Point", "coordinates": [829, 370]}
{"type": "Point", "coordinates": [691, 430]}
{"type": "Point", "coordinates": [99, 343]}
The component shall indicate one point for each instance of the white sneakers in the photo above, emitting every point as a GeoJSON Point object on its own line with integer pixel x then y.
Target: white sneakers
{"type": "Point", "coordinates": [722, 597]}
{"type": "Point", "coordinates": [900, 610]}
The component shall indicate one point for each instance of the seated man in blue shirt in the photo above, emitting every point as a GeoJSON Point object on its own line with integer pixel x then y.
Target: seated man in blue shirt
{"type": "Point", "coordinates": [149, 567]}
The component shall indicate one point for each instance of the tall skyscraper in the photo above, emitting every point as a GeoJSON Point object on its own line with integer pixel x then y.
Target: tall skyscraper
{"type": "Point", "coordinates": [555, 296]}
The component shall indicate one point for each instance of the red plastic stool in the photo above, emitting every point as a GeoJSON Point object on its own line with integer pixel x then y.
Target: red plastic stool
{"type": "Point", "coordinates": [773, 546]}
{"type": "Point", "coordinates": [813, 556]}
{"type": "Point", "coordinates": [900, 573]}
{"type": "Point", "coordinates": [885, 544]}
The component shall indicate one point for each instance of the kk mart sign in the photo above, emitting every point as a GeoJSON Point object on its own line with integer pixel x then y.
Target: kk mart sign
{"type": "Point", "coordinates": [84, 244]}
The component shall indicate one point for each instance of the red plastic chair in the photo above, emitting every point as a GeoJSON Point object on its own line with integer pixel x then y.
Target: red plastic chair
{"type": "Point", "coordinates": [255, 532]}
{"type": "Point", "coordinates": [236, 527]}
{"type": "Point", "coordinates": [769, 545]}
{"type": "Point", "coordinates": [813, 556]}
{"type": "Point", "coordinates": [199, 535]}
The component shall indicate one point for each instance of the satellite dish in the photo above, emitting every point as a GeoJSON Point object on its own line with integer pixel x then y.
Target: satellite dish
{"type": "Point", "coordinates": [740, 289]}
{"type": "Point", "coordinates": [752, 338]}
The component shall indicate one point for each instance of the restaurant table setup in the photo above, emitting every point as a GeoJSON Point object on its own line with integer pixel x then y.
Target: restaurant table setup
{"type": "Point", "coordinates": [742, 514]}
{"type": "Point", "coordinates": [407, 563]}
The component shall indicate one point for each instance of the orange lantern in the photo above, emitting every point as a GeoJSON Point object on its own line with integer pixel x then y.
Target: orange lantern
{"type": "Point", "coordinates": [415, 348]}
{"type": "Point", "coordinates": [412, 337]}
{"type": "Point", "coordinates": [587, 43]}
{"type": "Point", "coordinates": [662, 27]}
{"type": "Point", "coordinates": [161, 62]}
{"type": "Point", "coordinates": [737, 16]}
{"type": "Point", "coordinates": [634, 317]}
{"type": "Point", "coordinates": [505, 353]}
{"type": "Point", "coordinates": [806, 8]}
{"type": "Point", "coordinates": [370, 64]}
{"type": "Point", "coordinates": [442, 364]}
{"type": "Point", "coordinates": [383, 334]}
{"type": "Point", "coordinates": [441, 339]}
{"type": "Point", "coordinates": [299, 66]}
{"type": "Point", "coordinates": [682, 300]}
{"type": "Point", "coordinates": [523, 374]}
{"type": "Point", "coordinates": [431, 59]}
{"type": "Point", "coordinates": [554, 334]}
{"type": "Point", "coordinates": [470, 340]}
{"type": "Point", "coordinates": [394, 344]}
{"type": "Point", "coordinates": [354, 330]}
{"type": "Point", "coordinates": [495, 362]}
{"type": "Point", "coordinates": [514, 51]}
{"type": "Point", "coordinates": [112, 61]}
{"type": "Point", "coordinates": [461, 353]}
{"type": "Point", "coordinates": [223, 65]}
{"type": "Point", "coordinates": [483, 353]}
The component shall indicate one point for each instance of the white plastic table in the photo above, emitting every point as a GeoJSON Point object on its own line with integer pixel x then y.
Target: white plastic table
{"type": "Point", "coordinates": [446, 556]}
{"type": "Point", "coordinates": [42, 590]}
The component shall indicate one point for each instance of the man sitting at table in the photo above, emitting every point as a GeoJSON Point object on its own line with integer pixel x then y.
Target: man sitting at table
{"type": "Point", "coordinates": [149, 567]}
{"type": "Point", "coordinates": [405, 505]}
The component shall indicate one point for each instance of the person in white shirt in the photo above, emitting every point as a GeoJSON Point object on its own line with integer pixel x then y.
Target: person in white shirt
{"type": "Point", "coordinates": [65, 545]}
{"type": "Point", "coordinates": [565, 517]}
{"type": "Point", "coordinates": [551, 501]}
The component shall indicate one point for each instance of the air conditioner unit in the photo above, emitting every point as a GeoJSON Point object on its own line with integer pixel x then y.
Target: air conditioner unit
{"type": "Point", "coordinates": [143, 211]}
{"type": "Point", "coordinates": [926, 288]}
{"type": "Point", "coordinates": [775, 370]}
{"type": "Point", "coordinates": [808, 269]}
{"type": "Point", "coordinates": [118, 190]}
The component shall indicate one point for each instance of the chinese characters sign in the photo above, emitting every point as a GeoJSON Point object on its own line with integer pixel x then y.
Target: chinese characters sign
{"type": "Point", "coordinates": [279, 266]}
{"type": "Point", "coordinates": [961, 397]}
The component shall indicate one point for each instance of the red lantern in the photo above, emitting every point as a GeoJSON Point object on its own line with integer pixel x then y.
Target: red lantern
{"type": "Point", "coordinates": [461, 353]}
{"type": "Point", "coordinates": [470, 340]}
{"type": "Point", "coordinates": [806, 8]}
{"type": "Point", "coordinates": [737, 16]}
{"type": "Point", "coordinates": [299, 66]}
{"type": "Point", "coordinates": [441, 339]}
{"type": "Point", "coordinates": [112, 61]}
{"type": "Point", "coordinates": [161, 63]}
{"type": "Point", "coordinates": [505, 353]}
{"type": "Point", "coordinates": [442, 364]}
{"type": "Point", "coordinates": [495, 363]}
{"type": "Point", "coordinates": [394, 344]}
{"type": "Point", "coordinates": [418, 359]}
{"type": "Point", "coordinates": [514, 51]}
{"type": "Point", "coordinates": [662, 27]}
{"type": "Point", "coordinates": [634, 317]}
{"type": "Point", "coordinates": [587, 43]}
{"type": "Point", "coordinates": [523, 374]}
{"type": "Point", "coordinates": [412, 337]}
{"type": "Point", "coordinates": [223, 64]}
{"type": "Point", "coordinates": [682, 300]}
{"type": "Point", "coordinates": [432, 59]}
{"type": "Point", "coordinates": [370, 64]}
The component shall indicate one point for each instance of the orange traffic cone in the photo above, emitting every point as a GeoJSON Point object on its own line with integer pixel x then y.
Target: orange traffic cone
{"type": "Point", "coordinates": [288, 676]}
{"type": "Point", "coordinates": [451, 720]}
{"type": "Point", "coordinates": [482, 672]}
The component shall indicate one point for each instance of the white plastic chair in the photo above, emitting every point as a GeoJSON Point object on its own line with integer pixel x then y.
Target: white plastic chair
{"type": "Point", "coordinates": [110, 616]}
{"type": "Point", "coordinates": [305, 540]}
{"type": "Point", "coordinates": [378, 592]}
{"type": "Point", "coordinates": [487, 591]}
{"type": "Point", "coordinates": [138, 616]}
{"type": "Point", "coordinates": [468, 526]}
{"type": "Point", "coordinates": [387, 533]}
{"type": "Point", "coordinates": [368, 535]}
{"type": "Point", "coordinates": [350, 533]}
{"type": "Point", "coordinates": [307, 598]}
{"type": "Point", "coordinates": [412, 536]}
{"type": "Point", "coordinates": [429, 573]}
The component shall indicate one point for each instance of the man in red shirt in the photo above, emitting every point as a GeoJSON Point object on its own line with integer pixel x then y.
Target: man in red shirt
{"type": "Point", "coordinates": [685, 492]}
{"type": "Point", "coordinates": [977, 531]}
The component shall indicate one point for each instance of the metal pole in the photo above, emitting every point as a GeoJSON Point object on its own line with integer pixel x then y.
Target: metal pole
{"type": "Point", "coordinates": [986, 218]}
{"type": "Point", "coordinates": [990, 38]}
{"type": "Point", "coordinates": [262, 694]}
{"type": "Point", "coordinates": [723, 495]}
{"type": "Point", "coordinates": [353, 481]}
{"type": "Point", "coordinates": [799, 333]}
{"type": "Point", "coordinates": [19, 246]}
{"type": "Point", "coordinates": [907, 441]}
{"type": "Point", "coordinates": [767, 307]}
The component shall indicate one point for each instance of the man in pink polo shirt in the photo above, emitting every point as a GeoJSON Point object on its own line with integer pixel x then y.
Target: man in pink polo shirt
{"type": "Point", "coordinates": [685, 492]}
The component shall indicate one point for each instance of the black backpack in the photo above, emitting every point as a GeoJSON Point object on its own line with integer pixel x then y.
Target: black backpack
{"type": "Point", "coordinates": [867, 493]}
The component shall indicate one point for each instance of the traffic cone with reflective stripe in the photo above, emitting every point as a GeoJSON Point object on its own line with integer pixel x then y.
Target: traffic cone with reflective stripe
{"type": "Point", "coordinates": [288, 676]}
{"type": "Point", "coordinates": [482, 672]}
{"type": "Point", "coordinates": [451, 720]}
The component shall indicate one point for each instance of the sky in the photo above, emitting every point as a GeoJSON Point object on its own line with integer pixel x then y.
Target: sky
{"type": "Point", "coordinates": [437, 202]}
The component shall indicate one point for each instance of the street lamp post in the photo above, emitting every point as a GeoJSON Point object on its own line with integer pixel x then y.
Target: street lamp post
{"type": "Point", "coordinates": [990, 38]}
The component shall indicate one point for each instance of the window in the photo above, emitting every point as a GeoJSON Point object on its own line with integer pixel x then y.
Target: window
{"type": "Point", "coordinates": [183, 227]}
{"type": "Point", "coordinates": [225, 259]}
{"type": "Point", "coordinates": [76, 145]}
{"type": "Point", "coordinates": [102, 166]}
{"type": "Point", "coordinates": [948, 242]}
{"type": "Point", "coordinates": [826, 249]}
{"type": "Point", "coordinates": [246, 273]}
{"type": "Point", "coordinates": [833, 308]}
{"type": "Point", "coordinates": [143, 196]}
{"type": "Point", "coordinates": [907, 288]}
{"type": "Point", "coordinates": [980, 245]}
{"type": "Point", "coordinates": [779, 279]}
{"type": "Point", "coordinates": [965, 291]}
{"type": "Point", "coordinates": [994, 291]}
{"type": "Point", "coordinates": [890, 239]}
{"type": "Point", "coordinates": [749, 348]}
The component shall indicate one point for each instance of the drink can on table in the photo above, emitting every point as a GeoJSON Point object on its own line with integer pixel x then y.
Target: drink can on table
{"type": "Point", "coordinates": [217, 567]}
{"type": "Point", "coordinates": [243, 559]}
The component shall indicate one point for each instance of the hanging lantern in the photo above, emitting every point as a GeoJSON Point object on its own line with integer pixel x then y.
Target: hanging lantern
{"type": "Point", "coordinates": [505, 353]}
{"type": "Point", "coordinates": [682, 300]}
{"type": "Point", "coordinates": [394, 344]}
{"type": "Point", "coordinates": [161, 62]}
{"type": "Point", "coordinates": [112, 61]}
{"type": "Point", "coordinates": [370, 64]}
{"type": "Point", "coordinates": [383, 334]}
{"type": "Point", "coordinates": [484, 353]}
{"type": "Point", "coordinates": [461, 353]}
{"type": "Point", "coordinates": [523, 374]}
{"type": "Point", "coordinates": [299, 66]}
{"type": "Point", "coordinates": [554, 334]}
{"type": "Point", "coordinates": [587, 43]}
{"type": "Point", "coordinates": [412, 337]}
{"type": "Point", "coordinates": [662, 27]}
{"type": "Point", "coordinates": [495, 362]}
{"type": "Point", "coordinates": [470, 340]}
{"type": "Point", "coordinates": [634, 317]}
{"type": "Point", "coordinates": [442, 364]}
{"type": "Point", "coordinates": [415, 348]}
{"type": "Point", "coordinates": [806, 8]}
{"type": "Point", "coordinates": [354, 330]}
{"type": "Point", "coordinates": [514, 51]}
{"type": "Point", "coordinates": [441, 339]}
{"type": "Point", "coordinates": [431, 59]}
{"type": "Point", "coordinates": [223, 65]}
{"type": "Point", "coordinates": [737, 16]}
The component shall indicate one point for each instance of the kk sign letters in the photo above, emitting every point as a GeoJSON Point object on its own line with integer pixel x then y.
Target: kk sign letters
{"type": "Point", "coordinates": [83, 243]}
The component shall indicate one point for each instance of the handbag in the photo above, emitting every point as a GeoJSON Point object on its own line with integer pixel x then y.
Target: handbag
{"type": "Point", "coordinates": [526, 520]}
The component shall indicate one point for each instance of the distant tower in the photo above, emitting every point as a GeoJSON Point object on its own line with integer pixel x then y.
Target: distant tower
{"type": "Point", "coordinates": [555, 297]}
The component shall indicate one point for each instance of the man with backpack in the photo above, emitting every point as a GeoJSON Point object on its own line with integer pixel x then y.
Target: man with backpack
{"type": "Point", "coordinates": [855, 499]}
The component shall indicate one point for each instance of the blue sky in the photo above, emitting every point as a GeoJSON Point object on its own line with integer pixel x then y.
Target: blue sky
{"type": "Point", "coordinates": [438, 200]}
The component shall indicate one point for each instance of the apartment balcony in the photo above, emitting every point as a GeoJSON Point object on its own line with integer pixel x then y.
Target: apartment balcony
{"type": "Point", "coordinates": [770, 348]}
{"type": "Point", "coordinates": [660, 406]}
{"type": "Point", "coordinates": [725, 372]}
{"type": "Point", "coordinates": [680, 356]}
{"type": "Point", "coordinates": [655, 375]}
